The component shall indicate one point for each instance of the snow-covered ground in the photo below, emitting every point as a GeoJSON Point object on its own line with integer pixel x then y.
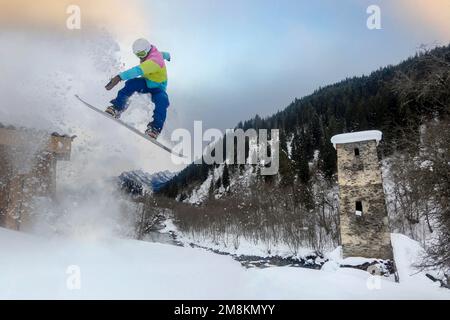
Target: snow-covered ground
{"type": "Point", "coordinates": [32, 267]}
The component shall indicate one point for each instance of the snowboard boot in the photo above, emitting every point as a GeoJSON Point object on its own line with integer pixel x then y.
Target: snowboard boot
{"type": "Point", "coordinates": [152, 132]}
{"type": "Point", "coordinates": [113, 112]}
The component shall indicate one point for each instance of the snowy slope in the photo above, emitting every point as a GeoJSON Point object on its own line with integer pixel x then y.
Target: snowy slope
{"type": "Point", "coordinates": [33, 267]}
{"type": "Point", "coordinates": [200, 193]}
{"type": "Point", "coordinates": [237, 181]}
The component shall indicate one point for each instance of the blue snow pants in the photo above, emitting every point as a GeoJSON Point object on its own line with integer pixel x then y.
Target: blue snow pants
{"type": "Point", "coordinates": [159, 98]}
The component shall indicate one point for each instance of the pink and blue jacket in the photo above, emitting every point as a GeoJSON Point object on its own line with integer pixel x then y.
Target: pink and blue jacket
{"type": "Point", "coordinates": [153, 69]}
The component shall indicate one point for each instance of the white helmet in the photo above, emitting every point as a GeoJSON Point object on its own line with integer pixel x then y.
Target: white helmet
{"type": "Point", "coordinates": [141, 47]}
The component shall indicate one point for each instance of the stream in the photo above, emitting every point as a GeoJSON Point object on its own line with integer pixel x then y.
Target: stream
{"type": "Point", "coordinates": [247, 261]}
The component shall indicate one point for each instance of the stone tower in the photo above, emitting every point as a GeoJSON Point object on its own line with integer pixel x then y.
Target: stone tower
{"type": "Point", "coordinates": [363, 217]}
{"type": "Point", "coordinates": [27, 169]}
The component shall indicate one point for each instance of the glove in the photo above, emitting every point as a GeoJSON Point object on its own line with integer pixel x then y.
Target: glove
{"type": "Point", "coordinates": [166, 56]}
{"type": "Point", "coordinates": [114, 81]}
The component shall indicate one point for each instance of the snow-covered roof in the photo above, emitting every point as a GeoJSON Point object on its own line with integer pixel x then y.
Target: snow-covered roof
{"type": "Point", "coordinates": [357, 137]}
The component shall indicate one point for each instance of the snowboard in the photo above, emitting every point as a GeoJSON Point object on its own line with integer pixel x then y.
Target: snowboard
{"type": "Point", "coordinates": [132, 129]}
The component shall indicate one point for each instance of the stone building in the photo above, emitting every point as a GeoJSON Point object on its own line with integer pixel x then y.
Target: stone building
{"type": "Point", "coordinates": [28, 169]}
{"type": "Point", "coordinates": [364, 225]}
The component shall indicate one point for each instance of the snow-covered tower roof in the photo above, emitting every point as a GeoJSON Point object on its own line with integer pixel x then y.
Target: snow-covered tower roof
{"type": "Point", "coordinates": [357, 137]}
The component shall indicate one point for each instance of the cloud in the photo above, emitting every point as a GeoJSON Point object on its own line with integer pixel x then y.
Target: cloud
{"type": "Point", "coordinates": [117, 16]}
{"type": "Point", "coordinates": [434, 15]}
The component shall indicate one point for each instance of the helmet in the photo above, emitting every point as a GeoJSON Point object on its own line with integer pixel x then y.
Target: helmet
{"type": "Point", "coordinates": [141, 47]}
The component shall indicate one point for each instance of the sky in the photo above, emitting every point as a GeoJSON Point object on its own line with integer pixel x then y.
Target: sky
{"type": "Point", "coordinates": [230, 60]}
{"type": "Point", "coordinates": [234, 59]}
{"type": "Point", "coordinates": [237, 58]}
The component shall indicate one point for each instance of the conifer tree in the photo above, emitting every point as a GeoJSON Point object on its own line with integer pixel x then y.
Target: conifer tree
{"type": "Point", "coordinates": [225, 177]}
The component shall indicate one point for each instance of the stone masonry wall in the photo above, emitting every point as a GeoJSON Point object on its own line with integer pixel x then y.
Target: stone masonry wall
{"type": "Point", "coordinates": [360, 179]}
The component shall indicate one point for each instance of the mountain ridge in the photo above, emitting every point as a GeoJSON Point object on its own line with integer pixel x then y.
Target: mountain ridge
{"type": "Point", "coordinates": [139, 182]}
{"type": "Point", "coordinates": [379, 101]}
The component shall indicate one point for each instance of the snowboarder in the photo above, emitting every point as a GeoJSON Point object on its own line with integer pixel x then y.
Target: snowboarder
{"type": "Point", "coordinates": [148, 77]}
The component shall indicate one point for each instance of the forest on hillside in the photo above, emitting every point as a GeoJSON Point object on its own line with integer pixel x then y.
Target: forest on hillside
{"type": "Point", "coordinates": [392, 99]}
{"type": "Point", "coordinates": [409, 103]}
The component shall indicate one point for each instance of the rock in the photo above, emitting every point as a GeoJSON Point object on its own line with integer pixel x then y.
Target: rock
{"type": "Point", "coordinates": [374, 270]}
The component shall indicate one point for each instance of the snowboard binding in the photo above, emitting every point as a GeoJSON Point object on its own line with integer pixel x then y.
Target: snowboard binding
{"type": "Point", "coordinates": [152, 132]}
{"type": "Point", "coordinates": [113, 112]}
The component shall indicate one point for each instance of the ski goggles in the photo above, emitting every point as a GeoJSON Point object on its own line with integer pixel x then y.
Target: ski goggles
{"type": "Point", "coordinates": [141, 54]}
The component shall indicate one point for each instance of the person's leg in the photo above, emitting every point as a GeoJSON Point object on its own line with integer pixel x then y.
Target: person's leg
{"type": "Point", "coordinates": [161, 101]}
{"type": "Point", "coordinates": [131, 86]}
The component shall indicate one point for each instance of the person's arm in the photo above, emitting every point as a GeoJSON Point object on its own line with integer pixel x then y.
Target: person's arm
{"type": "Point", "coordinates": [126, 75]}
{"type": "Point", "coordinates": [166, 56]}
{"type": "Point", "coordinates": [147, 67]}
{"type": "Point", "coordinates": [132, 73]}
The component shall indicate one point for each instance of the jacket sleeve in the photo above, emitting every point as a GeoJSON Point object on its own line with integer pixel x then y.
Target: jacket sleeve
{"type": "Point", "coordinates": [166, 56]}
{"type": "Point", "coordinates": [132, 73]}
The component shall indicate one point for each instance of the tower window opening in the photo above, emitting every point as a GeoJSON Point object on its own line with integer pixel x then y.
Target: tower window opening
{"type": "Point", "coordinates": [357, 152]}
{"type": "Point", "coordinates": [358, 208]}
